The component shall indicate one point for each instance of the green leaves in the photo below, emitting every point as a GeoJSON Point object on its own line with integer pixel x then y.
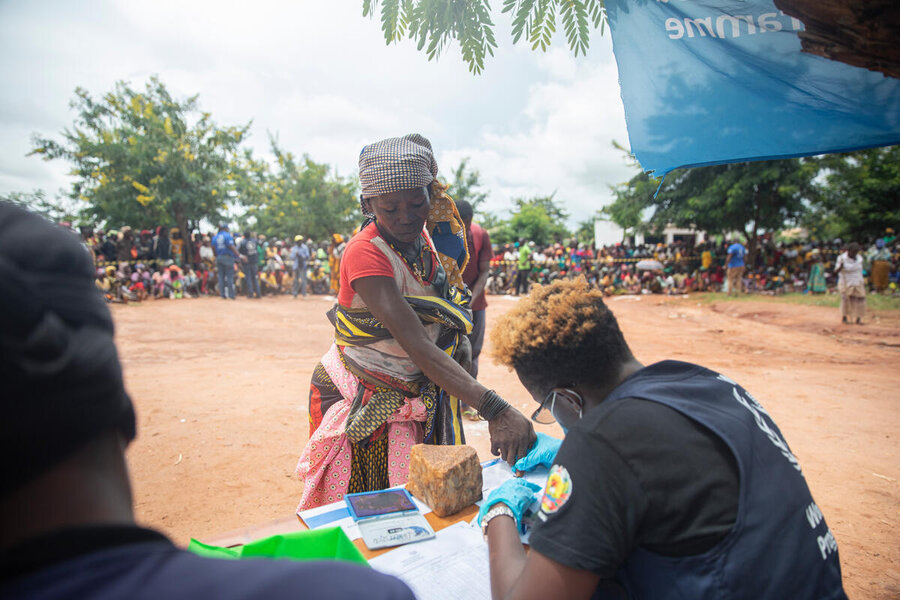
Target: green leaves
{"type": "Point", "coordinates": [466, 185]}
{"type": "Point", "coordinates": [540, 219]}
{"type": "Point", "coordinates": [576, 22]}
{"type": "Point", "coordinates": [433, 24]}
{"type": "Point", "coordinates": [142, 158]}
{"type": "Point", "coordinates": [747, 197]}
{"type": "Point", "coordinates": [861, 195]}
{"type": "Point", "coordinates": [298, 196]}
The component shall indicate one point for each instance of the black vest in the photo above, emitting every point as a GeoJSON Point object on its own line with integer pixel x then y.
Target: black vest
{"type": "Point", "coordinates": [780, 546]}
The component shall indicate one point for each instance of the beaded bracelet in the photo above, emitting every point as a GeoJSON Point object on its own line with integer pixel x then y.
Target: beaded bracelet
{"type": "Point", "coordinates": [492, 405]}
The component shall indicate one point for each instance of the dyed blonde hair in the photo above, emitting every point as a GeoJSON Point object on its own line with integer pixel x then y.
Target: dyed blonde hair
{"type": "Point", "coordinates": [560, 334]}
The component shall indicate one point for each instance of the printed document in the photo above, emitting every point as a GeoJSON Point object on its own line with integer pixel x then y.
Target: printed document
{"type": "Point", "coordinates": [452, 565]}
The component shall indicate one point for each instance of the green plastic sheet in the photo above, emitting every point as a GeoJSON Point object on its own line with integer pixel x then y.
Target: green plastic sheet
{"type": "Point", "coordinates": [329, 543]}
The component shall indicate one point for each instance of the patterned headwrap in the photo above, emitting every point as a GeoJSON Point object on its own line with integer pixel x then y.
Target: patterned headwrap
{"type": "Point", "coordinates": [395, 164]}
{"type": "Point", "coordinates": [404, 163]}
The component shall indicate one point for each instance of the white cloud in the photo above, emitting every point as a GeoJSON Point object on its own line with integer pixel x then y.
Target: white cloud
{"type": "Point", "coordinates": [320, 77]}
{"type": "Point", "coordinates": [565, 144]}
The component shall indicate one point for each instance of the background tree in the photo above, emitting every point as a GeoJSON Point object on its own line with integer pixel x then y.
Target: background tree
{"type": "Point", "coordinates": [539, 219]}
{"type": "Point", "coordinates": [750, 197]}
{"type": "Point", "coordinates": [632, 200]}
{"type": "Point", "coordinates": [145, 159]}
{"type": "Point", "coordinates": [585, 232]}
{"type": "Point", "coordinates": [300, 197]}
{"type": "Point", "coordinates": [433, 24]}
{"type": "Point", "coordinates": [490, 221]}
{"type": "Point", "coordinates": [860, 196]}
{"type": "Point", "coordinates": [465, 184]}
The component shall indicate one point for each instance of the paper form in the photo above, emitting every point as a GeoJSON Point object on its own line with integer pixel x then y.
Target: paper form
{"type": "Point", "coordinates": [452, 565]}
{"type": "Point", "coordinates": [494, 472]}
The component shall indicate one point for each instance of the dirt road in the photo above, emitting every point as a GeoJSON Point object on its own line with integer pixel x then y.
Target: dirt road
{"type": "Point", "coordinates": [221, 389]}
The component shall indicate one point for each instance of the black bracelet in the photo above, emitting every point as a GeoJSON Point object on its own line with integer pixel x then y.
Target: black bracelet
{"type": "Point", "coordinates": [492, 405]}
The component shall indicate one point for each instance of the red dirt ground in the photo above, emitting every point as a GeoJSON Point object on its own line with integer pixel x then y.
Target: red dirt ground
{"type": "Point", "coordinates": [220, 389]}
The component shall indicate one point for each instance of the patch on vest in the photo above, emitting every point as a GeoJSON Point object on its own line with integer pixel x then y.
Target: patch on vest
{"type": "Point", "coordinates": [557, 490]}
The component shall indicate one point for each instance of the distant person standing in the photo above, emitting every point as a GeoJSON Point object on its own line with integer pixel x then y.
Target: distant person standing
{"type": "Point", "coordinates": [523, 266]}
{"type": "Point", "coordinates": [478, 243]}
{"type": "Point", "coordinates": [816, 283]}
{"type": "Point", "coordinates": [880, 258]}
{"type": "Point", "coordinates": [162, 248]}
{"type": "Point", "coordinates": [706, 257]}
{"type": "Point", "coordinates": [124, 245]}
{"type": "Point", "coordinates": [226, 253]}
{"type": "Point", "coordinates": [851, 286]}
{"type": "Point", "coordinates": [735, 265]}
{"type": "Point", "coordinates": [250, 251]}
{"type": "Point", "coordinates": [299, 260]}
{"type": "Point", "coordinates": [177, 245]}
{"type": "Point", "coordinates": [108, 245]}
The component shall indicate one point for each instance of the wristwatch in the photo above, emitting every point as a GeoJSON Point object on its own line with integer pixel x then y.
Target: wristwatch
{"type": "Point", "coordinates": [495, 511]}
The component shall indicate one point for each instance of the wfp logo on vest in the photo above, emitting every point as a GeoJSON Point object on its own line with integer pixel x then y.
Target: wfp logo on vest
{"type": "Point", "coordinates": [827, 543]}
{"type": "Point", "coordinates": [758, 411]}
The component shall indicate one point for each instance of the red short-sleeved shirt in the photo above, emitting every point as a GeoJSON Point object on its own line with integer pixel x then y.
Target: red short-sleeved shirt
{"type": "Point", "coordinates": [361, 259]}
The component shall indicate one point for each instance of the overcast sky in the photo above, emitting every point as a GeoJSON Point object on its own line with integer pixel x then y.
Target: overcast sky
{"type": "Point", "coordinates": [320, 77]}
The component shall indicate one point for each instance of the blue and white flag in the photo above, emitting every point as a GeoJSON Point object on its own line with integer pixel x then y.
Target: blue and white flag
{"type": "Point", "coordinates": [707, 82]}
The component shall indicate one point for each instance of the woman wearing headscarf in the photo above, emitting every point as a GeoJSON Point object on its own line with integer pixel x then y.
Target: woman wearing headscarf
{"type": "Point", "coordinates": [880, 258]}
{"type": "Point", "coordinates": [393, 378]}
{"type": "Point", "coordinates": [816, 283]}
{"type": "Point", "coordinates": [851, 285]}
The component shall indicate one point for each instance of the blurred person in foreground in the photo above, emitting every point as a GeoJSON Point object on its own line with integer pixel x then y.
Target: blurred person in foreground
{"type": "Point", "coordinates": [67, 525]}
{"type": "Point", "coordinates": [672, 481]}
{"type": "Point", "coordinates": [397, 370]}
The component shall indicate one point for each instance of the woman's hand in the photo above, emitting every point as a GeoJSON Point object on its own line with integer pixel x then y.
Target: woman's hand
{"type": "Point", "coordinates": [511, 435]}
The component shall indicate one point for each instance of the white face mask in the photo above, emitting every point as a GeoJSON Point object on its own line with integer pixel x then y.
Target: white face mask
{"type": "Point", "coordinates": [580, 410]}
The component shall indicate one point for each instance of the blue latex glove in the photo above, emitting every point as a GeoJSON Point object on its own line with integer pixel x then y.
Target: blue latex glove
{"type": "Point", "coordinates": [516, 493]}
{"type": "Point", "coordinates": [542, 453]}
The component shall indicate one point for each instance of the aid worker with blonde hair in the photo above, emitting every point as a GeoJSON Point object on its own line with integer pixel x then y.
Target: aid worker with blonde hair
{"type": "Point", "coordinates": [672, 481]}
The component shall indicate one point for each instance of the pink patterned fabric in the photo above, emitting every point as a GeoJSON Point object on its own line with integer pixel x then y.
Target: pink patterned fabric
{"type": "Point", "coordinates": [324, 465]}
